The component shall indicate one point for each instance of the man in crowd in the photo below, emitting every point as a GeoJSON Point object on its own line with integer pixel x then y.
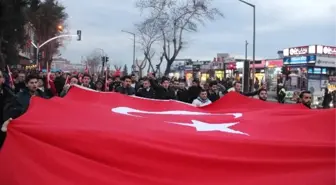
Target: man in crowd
{"type": "Point", "coordinates": [73, 81]}
{"type": "Point", "coordinates": [6, 96]}
{"type": "Point", "coordinates": [182, 92]}
{"type": "Point", "coordinates": [43, 87]}
{"type": "Point", "coordinates": [213, 94]}
{"type": "Point", "coordinates": [163, 92]}
{"type": "Point", "coordinates": [21, 102]}
{"type": "Point", "coordinates": [115, 84]}
{"type": "Point", "coordinates": [146, 91]}
{"type": "Point", "coordinates": [86, 81]}
{"type": "Point", "coordinates": [306, 98]}
{"type": "Point", "coordinates": [202, 99]}
{"type": "Point", "coordinates": [281, 93]}
{"type": "Point", "coordinates": [126, 87]}
{"type": "Point", "coordinates": [237, 88]}
{"type": "Point", "coordinates": [262, 94]}
{"type": "Point", "coordinates": [59, 82]}
{"type": "Point", "coordinates": [134, 83]}
{"type": "Point", "coordinates": [19, 105]}
{"type": "Point", "coordinates": [19, 82]}
{"type": "Point", "coordinates": [194, 90]}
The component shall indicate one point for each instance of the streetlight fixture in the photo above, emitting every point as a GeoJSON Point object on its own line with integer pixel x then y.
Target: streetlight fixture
{"type": "Point", "coordinates": [133, 66]}
{"type": "Point", "coordinates": [254, 35]}
{"type": "Point", "coordinates": [60, 28]}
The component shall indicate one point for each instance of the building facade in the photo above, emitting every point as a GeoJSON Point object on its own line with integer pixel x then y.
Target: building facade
{"type": "Point", "coordinates": [27, 53]}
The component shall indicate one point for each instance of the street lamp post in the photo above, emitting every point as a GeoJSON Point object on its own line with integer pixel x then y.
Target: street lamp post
{"type": "Point", "coordinates": [254, 37]}
{"type": "Point", "coordinates": [38, 46]}
{"type": "Point", "coordinates": [133, 67]}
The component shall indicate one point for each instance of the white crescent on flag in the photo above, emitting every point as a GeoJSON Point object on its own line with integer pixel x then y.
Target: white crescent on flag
{"type": "Point", "coordinates": [128, 111]}
{"type": "Point", "coordinates": [198, 125]}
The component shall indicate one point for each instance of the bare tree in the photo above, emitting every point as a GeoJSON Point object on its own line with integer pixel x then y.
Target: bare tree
{"type": "Point", "coordinates": [117, 67]}
{"type": "Point", "coordinates": [173, 19]}
{"type": "Point", "coordinates": [125, 70]}
{"type": "Point", "coordinates": [159, 64]}
{"type": "Point", "coordinates": [141, 66]}
{"type": "Point", "coordinates": [93, 61]}
{"type": "Point", "coordinates": [117, 70]}
{"type": "Point", "coordinates": [148, 36]}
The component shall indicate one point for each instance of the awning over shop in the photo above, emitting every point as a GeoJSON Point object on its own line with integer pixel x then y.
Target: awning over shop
{"type": "Point", "coordinates": [274, 63]}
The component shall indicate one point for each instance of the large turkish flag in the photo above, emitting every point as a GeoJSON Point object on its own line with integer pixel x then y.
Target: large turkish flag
{"type": "Point", "coordinates": [91, 138]}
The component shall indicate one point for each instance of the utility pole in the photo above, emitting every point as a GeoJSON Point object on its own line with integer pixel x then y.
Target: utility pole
{"type": "Point", "coordinates": [254, 37]}
{"type": "Point", "coordinates": [134, 62]}
{"type": "Point", "coordinates": [246, 71]}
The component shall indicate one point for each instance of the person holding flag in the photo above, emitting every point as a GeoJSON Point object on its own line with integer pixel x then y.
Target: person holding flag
{"type": "Point", "coordinates": [19, 104]}
{"type": "Point", "coordinates": [69, 82]}
{"type": "Point", "coordinates": [6, 96]}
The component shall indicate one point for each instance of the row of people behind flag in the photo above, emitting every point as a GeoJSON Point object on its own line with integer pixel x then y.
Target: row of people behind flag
{"type": "Point", "coordinates": [164, 88]}
{"type": "Point", "coordinates": [19, 90]}
{"type": "Point", "coordinates": [16, 92]}
{"type": "Point", "coordinates": [57, 84]}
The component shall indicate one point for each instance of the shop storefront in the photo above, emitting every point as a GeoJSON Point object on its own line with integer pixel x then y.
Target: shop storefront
{"type": "Point", "coordinates": [30, 67]}
{"type": "Point", "coordinates": [204, 77]}
{"type": "Point", "coordinates": [175, 75]}
{"type": "Point", "coordinates": [219, 74]}
{"type": "Point", "coordinates": [332, 83]}
{"type": "Point", "coordinates": [273, 73]}
{"type": "Point", "coordinates": [259, 70]}
{"type": "Point", "coordinates": [188, 73]}
{"type": "Point", "coordinates": [217, 68]}
{"type": "Point", "coordinates": [325, 66]}
{"type": "Point", "coordinates": [298, 66]}
{"type": "Point", "coordinates": [311, 68]}
{"type": "Point", "coordinates": [230, 69]}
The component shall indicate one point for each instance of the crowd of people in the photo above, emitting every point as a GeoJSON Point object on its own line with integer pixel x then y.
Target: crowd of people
{"type": "Point", "coordinates": [18, 87]}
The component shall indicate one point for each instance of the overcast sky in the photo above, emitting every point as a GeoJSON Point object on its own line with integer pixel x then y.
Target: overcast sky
{"type": "Point", "coordinates": [279, 24]}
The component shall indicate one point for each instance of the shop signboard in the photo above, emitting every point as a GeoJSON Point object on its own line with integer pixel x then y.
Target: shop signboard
{"type": "Point", "coordinates": [299, 60]}
{"type": "Point", "coordinates": [299, 51]}
{"type": "Point", "coordinates": [181, 68]}
{"type": "Point", "coordinates": [322, 61]}
{"type": "Point", "coordinates": [258, 64]}
{"type": "Point", "coordinates": [326, 50]}
{"type": "Point", "coordinates": [317, 70]}
{"type": "Point", "coordinates": [188, 68]}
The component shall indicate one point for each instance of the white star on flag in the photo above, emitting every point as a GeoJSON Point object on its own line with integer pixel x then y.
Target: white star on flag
{"type": "Point", "coordinates": [203, 126]}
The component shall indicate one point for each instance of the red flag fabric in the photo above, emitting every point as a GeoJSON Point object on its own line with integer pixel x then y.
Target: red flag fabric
{"type": "Point", "coordinates": [117, 72]}
{"type": "Point", "coordinates": [126, 140]}
{"type": "Point", "coordinates": [243, 102]}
